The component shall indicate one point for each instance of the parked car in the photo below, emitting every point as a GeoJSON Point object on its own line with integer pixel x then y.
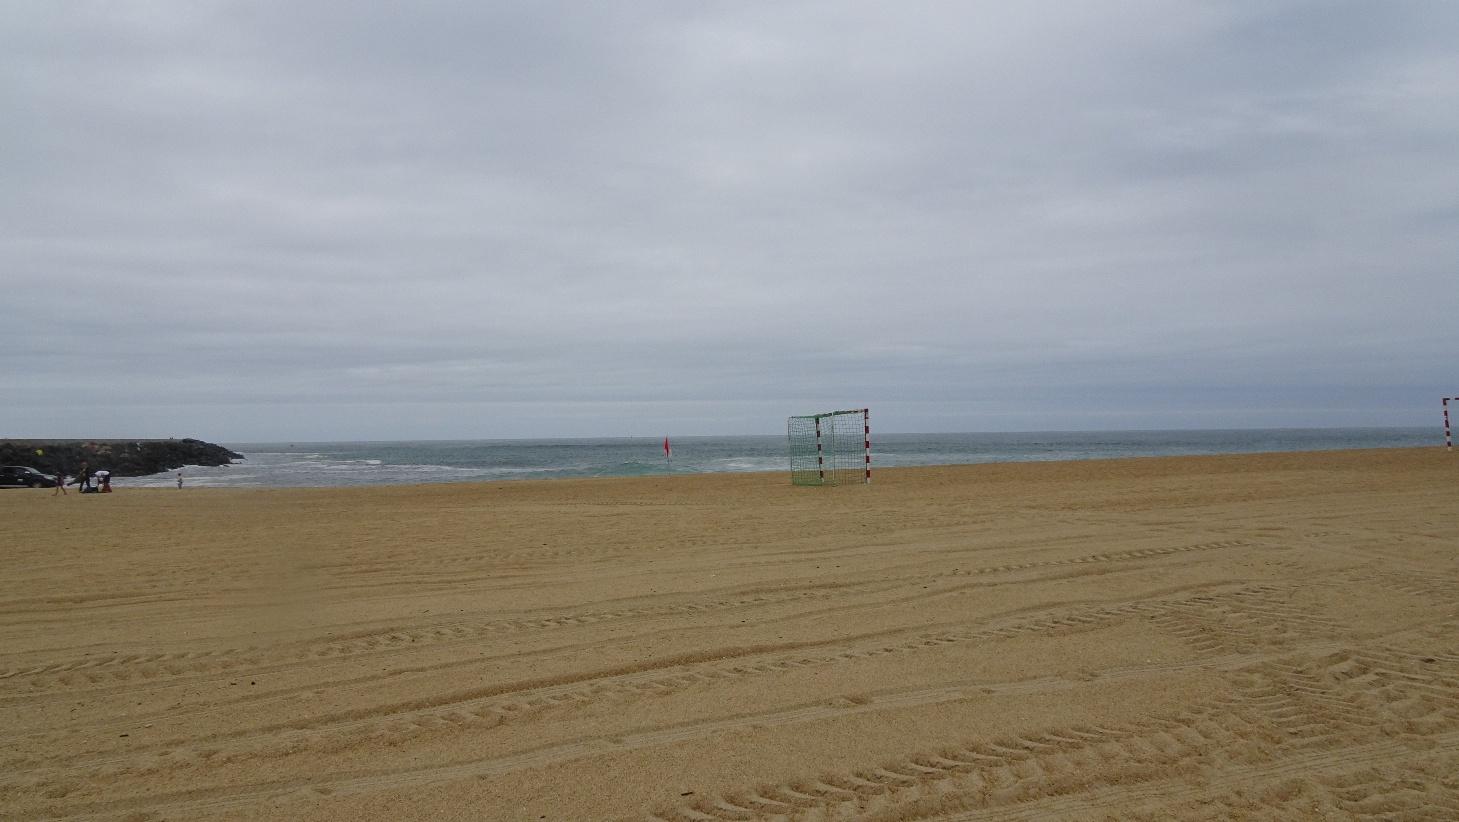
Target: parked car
{"type": "Point", "coordinates": [19, 476]}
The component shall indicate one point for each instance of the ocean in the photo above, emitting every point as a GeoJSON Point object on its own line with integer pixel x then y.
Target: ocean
{"type": "Point", "coordinates": [321, 464]}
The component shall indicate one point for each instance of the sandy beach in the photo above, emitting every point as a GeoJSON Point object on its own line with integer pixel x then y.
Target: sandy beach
{"type": "Point", "coordinates": [1265, 637]}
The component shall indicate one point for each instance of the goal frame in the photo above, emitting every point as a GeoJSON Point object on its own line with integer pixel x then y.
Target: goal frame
{"type": "Point", "coordinates": [804, 472]}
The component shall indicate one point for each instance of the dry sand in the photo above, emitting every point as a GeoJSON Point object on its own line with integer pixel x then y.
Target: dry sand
{"type": "Point", "coordinates": [1267, 637]}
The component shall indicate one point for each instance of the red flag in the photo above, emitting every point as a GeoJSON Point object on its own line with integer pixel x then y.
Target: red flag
{"type": "Point", "coordinates": [668, 452]}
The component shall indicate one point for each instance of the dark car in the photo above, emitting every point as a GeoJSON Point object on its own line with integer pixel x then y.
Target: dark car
{"type": "Point", "coordinates": [19, 476]}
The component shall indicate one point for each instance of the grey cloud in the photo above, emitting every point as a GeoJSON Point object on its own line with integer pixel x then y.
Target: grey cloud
{"type": "Point", "coordinates": [526, 213]}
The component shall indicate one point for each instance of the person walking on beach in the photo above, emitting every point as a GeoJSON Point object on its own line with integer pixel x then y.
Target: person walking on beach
{"type": "Point", "coordinates": [60, 484]}
{"type": "Point", "coordinates": [83, 479]}
{"type": "Point", "coordinates": [179, 480]}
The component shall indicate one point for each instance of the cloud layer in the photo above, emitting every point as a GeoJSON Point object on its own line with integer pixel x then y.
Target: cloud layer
{"type": "Point", "coordinates": [260, 221]}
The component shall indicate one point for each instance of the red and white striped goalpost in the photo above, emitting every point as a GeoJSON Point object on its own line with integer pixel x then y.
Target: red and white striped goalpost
{"type": "Point", "coordinates": [1448, 439]}
{"type": "Point", "coordinates": [866, 431]}
{"type": "Point", "coordinates": [821, 453]}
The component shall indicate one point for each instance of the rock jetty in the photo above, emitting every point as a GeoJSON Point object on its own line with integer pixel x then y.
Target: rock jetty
{"type": "Point", "coordinates": [123, 458]}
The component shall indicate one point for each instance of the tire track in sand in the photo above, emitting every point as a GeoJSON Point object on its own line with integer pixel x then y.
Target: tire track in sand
{"type": "Point", "coordinates": [1037, 772]}
{"type": "Point", "coordinates": [488, 708]}
{"type": "Point", "coordinates": [1287, 717]}
{"type": "Point", "coordinates": [92, 672]}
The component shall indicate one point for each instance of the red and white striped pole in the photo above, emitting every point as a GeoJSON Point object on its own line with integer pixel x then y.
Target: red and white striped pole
{"type": "Point", "coordinates": [866, 430]}
{"type": "Point", "coordinates": [820, 460]}
{"type": "Point", "coordinates": [1448, 440]}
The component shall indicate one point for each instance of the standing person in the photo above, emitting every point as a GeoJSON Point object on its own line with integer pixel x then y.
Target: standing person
{"type": "Point", "coordinates": [106, 482]}
{"type": "Point", "coordinates": [179, 480]}
{"type": "Point", "coordinates": [60, 484]}
{"type": "Point", "coordinates": [83, 479]}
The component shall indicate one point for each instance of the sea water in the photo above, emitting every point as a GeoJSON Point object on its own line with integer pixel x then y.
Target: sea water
{"type": "Point", "coordinates": [303, 464]}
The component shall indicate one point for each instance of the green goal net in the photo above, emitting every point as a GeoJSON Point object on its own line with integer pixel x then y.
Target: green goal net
{"type": "Point", "coordinates": [833, 448]}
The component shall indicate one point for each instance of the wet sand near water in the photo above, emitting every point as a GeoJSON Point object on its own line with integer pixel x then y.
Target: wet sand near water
{"type": "Point", "coordinates": [1253, 637]}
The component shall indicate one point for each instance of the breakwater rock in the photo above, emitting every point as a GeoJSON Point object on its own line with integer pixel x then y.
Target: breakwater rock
{"type": "Point", "coordinates": [124, 458]}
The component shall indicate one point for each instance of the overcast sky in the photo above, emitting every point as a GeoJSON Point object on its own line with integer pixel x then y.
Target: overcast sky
{"type": "Point", "coordinates": [340, 220]}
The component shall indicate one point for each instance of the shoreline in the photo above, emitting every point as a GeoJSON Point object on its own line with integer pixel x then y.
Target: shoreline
{"type": "Point", "coordinates": [877, 471]}
{"type": "Point", "coordinates": [415, 462]}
